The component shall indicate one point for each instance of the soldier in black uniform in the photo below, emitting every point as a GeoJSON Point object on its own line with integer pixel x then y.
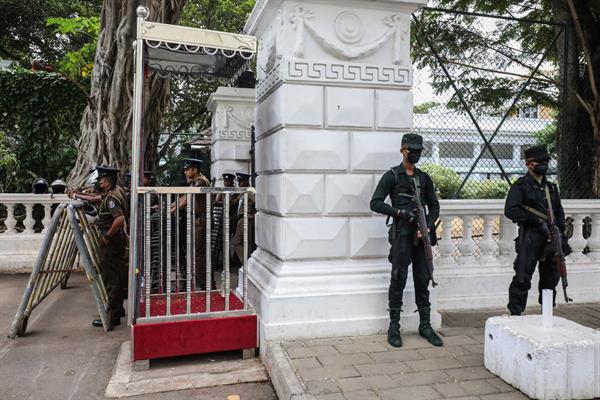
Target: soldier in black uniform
{"type": "Point", "coordinates": [238, 236]}
{"type": "Point", "coordinates": [406, 248]}
{"type": "Point", "coordinates": [110, 223]}
{"type": "Point", "coordinates": [526, 204]}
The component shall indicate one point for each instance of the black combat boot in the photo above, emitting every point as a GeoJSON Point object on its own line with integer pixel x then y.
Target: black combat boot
{"type": "Point", "coordinates": [394, 338]}
{"type": "Point", "coordinates": [425, 329]}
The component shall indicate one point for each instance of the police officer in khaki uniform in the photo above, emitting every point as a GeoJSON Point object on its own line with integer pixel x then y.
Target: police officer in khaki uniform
{"type": "Point", "coordinates": [194, 178]}
{"type": "Point", "coordinates": [111, 219]}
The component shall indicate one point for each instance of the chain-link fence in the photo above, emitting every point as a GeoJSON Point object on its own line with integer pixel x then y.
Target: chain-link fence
{"type": "Point", "coordinates": [484, 92]}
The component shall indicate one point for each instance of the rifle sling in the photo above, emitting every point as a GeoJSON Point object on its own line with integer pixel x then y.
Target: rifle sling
{"type": "Point", "coordinates": [535, 212]}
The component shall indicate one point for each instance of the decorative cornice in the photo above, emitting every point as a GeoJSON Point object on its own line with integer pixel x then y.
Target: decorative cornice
{"type": "Point", "coordinates": [335, 74]}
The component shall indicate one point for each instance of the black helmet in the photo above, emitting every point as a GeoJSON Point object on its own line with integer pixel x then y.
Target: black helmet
{"type": "Point", "coordinates": [39, 186]}
{"type": "Point", "coordinates": [58, 186]}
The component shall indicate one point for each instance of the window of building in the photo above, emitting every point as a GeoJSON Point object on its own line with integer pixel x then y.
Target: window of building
{"type": "Point", "coordinates": [503, 151]}
{"type": "Point", "coordinates": [528, 112]}
{"type": "Point", "coordinates": [427, 149]}
{"type": "Point", "coordinates": [456, 150]}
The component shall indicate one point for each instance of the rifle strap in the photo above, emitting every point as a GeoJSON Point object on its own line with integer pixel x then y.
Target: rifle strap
{"type": "Point", "coordinates": [535, 212]}
{"type": "Point", "coordinates": [549, 202]}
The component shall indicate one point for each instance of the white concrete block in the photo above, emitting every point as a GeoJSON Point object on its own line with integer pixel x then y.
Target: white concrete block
{"type": "Point", "coordinates": [303, 238]}
{"type": "Point", "coordinates": [268, 153]}
{"type": "Point", "coordinates": [296, 194]}
{"type": "Point", "coordinates": [230, 150]}
{"type": "Point", "coordinates": [269, 114]}
{"type": "Point", "coordinates": [348, 194]}
{"type": "Point", "coordinates": [371, 151]}
{"type": "Point", "coordinates": [394, 109]}
{"type": "Point", "coordinates": [302, 105]}
{"type": "Point", "coordinates": [562, 362]}
{"type": "Point", "coordinates": [313, 150]}
{"type": "Point", "coordinates": [368, 237]}
{"type": "Point", "coordinates": [349, 107]}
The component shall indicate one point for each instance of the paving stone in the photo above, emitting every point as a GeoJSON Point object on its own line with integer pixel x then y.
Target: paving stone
{"type": "Point", "coordinates": [465, 374]}
{"type": "Point", "coordinates": [501, 385]}
{"type": "Point", "coordinates": [459, 340]}
{"type": "Point", "coordinates": [478, 338]}
{"type": "Point", "coordinates": [422, 378]}
{"type": "Point", "coordinates": [478, 387]}
{"type": "Point", "coordinates": [306, 363]}
{"type": "Point", "coordinates": [459, 331]}
{"type": "Point", "coordinates": [352, 384]}
{"type": "Point", "coordinates": [410, 392]}
{"type": "Point", "coordinates": [516, 395]}
{"type": "Point", "coordinates": [433, 364]}
{"type": "Point", "coordinates": [311, 351]}
{"type": "Point", "coordinates": [458, 351]}
{"type": "Point", "coordinates": [328, 341]}
{"type": "Point", "coordinates": [452, 389]}
{"type": "Point", "coordinates": [330, 396]}
{"type": "Point", "coordinates": [369, 338]}
{"type": "Point", "coordinates": [322, 387]}
{"type": "Point", "coordinates": [293, 344]}
{"type": "Point", "coordinates": [472, 360]}
{"type": "Point", "coordinates": [398, 355]}
{"type": "Point", "coordinates": [361, 395]}
{"type": "Point", "coordinates": [382, 368]}
{"type": "Point", "coordinates": [345, 359]}
{"type": "Point", "coordinates": [434, 352]}
{"type": "Point", "coordinates": [380, 382]}
{"type": "Point", "coordinates": [328, 372]}
{"type": "Point", "coordinates": [366, 347]}
{"type": "Point", "coordinates": [475, 348]}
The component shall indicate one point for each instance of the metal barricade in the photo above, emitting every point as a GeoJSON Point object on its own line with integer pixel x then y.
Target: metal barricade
{"type": "Point", "coordinates": [175, 275]}
{"type": "Point", "coordinates": [69, 234]}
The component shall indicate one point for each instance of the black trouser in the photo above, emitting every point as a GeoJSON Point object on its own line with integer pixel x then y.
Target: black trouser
{"type": "Point", "coordinates": [403, 253]}
{"type": "Point", "coordinates": [111, 265]}
{"type": "Point", "coordinates": [531, 251]}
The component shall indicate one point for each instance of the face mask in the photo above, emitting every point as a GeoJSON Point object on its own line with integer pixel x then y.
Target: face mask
{"type": "Point", "coordinates": [414, 156]}
{"type": "Point", "coordinates": [541, 169]}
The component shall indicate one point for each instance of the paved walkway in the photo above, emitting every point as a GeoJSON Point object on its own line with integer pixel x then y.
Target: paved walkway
{"type": "Point", "coordinates": [62, 357]}
{"type": "Point", "coordinates": [367, 367]}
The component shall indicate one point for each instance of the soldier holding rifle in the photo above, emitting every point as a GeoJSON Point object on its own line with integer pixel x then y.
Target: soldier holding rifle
{"type": "Point", "coordinates": [408, 244]}
{"type": "Point", "coordinates": [534, 204]}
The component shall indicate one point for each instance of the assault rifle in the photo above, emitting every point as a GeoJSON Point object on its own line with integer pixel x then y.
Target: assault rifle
{"type": "Point", "coordinates": [423, 230]}
{"type": "Point", "coordinates": [559, 256]}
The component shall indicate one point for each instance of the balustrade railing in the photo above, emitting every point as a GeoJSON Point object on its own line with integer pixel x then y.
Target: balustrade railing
{"type": "Point", "coordinates": [26, 213]}
{"type": "Point", "coordinates": [475, 232]}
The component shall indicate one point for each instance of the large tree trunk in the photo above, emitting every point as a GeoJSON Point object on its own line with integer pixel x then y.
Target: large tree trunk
{"type": "Point", "coordinates": [106, 125]}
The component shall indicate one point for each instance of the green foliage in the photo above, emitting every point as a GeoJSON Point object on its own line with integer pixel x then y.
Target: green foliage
{"type": "Point", "coordinates": [78, 62]}
{"type": "Point", "coordinates": [40, 114]}
{"type": "Point", "coordinates": [444, 179]}
{"type": "Point", "coordinates": [25, 34]}
{"type": "Point", "coordinates": [485, 189]}
{"type": "Point", "coordinates": [424, 108]}
{"type": "Point", "coordinates": [220, 15]}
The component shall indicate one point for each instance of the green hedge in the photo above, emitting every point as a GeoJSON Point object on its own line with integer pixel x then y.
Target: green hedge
{"type": "Point", "coordinates": [447, 181]}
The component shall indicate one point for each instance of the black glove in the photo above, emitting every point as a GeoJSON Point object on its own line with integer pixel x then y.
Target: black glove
{"type": "Point", "coordinates": [543, 226]}
{"type": "Point", "coordinates": [406, 215]}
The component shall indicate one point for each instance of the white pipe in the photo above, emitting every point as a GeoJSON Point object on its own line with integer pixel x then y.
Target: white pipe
{"type": "Point", "coordinates": [547, 295]}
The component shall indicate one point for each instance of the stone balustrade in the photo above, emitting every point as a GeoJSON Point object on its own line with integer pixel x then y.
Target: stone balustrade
{"type": "Point", "coordinates": [22, 229]}
{"type": "Point", "coordinates": [474, 258]}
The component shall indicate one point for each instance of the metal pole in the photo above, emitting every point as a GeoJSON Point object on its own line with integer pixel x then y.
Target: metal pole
{"type": "Point", "coordinates": [245, 266]}
{"type": "Point", "coordinates": [188, 275]}
{"type": "Point", "coordinates": [208, 250]}
{"type": "Point", "coordinates": [147, 255]}
{"type": "Point", "coordinates": [226, 253]}
{"type": "Point", "coordinates": [138, 93]}
{"type": "Point", "coordinates": [169, 217]}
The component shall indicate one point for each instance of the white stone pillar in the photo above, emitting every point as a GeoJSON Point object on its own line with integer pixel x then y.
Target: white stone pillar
{"type": "Point", "coordinates": [577, 241]}
{"type": "Point", "coordinates": [333, 102]}
{"type": "Point", "coordinates": [232, 118]}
